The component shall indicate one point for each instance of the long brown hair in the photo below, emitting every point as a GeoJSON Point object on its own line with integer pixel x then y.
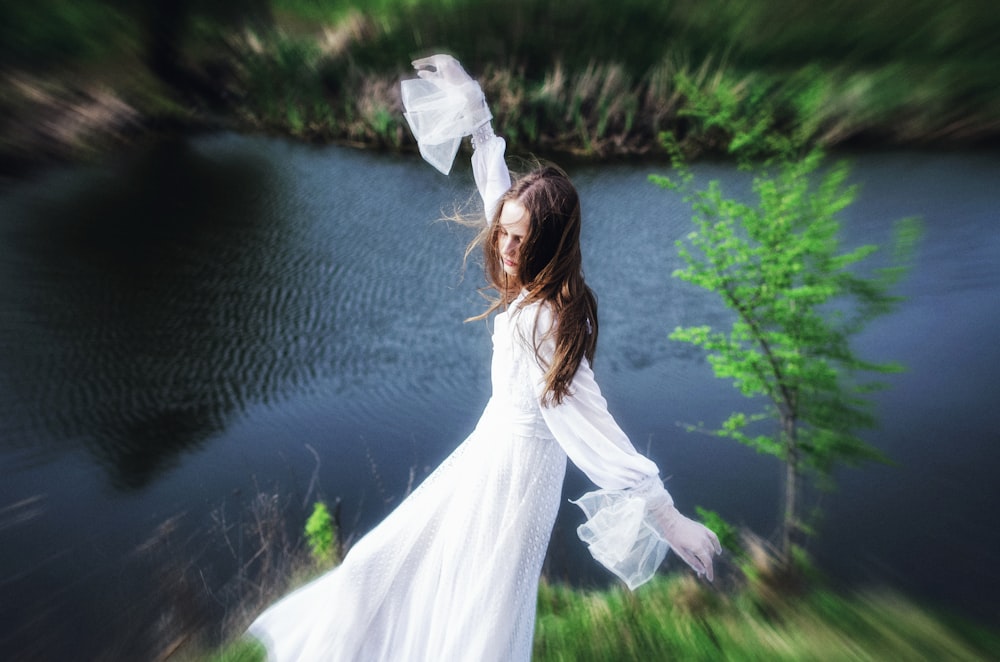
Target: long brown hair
{"type": "Point", "coordinates": [550, 269]}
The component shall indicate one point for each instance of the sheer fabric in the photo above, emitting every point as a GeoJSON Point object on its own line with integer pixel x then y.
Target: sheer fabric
{"type": "Point", "coordinates": [440, 116]}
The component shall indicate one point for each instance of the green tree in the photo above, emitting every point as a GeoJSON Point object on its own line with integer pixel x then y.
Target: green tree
{"type": "Point", "coordinates": [798, 297]}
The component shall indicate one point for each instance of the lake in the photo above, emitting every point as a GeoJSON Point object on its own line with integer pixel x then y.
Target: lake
{"type": "Point", "coordinates": [199, 322]}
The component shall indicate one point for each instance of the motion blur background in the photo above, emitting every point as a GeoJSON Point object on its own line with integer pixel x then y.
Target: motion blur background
{"type": "Point", "coordinates": [224, 295]}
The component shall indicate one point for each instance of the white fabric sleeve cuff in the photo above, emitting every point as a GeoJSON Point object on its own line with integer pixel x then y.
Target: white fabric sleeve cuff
{"type": "Point", "coordinates": [440, 114]}
{"type": "Point", "coordinates": [621, 530]}
{"type": "Point", "coordinates": [483, 135]}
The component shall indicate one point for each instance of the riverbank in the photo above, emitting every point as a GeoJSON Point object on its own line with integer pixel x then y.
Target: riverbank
{"type": "Point", "coordinates": [321, 73]}
{"type": "Point", "coordinates": [741, 617]}
{"type": "Point", "coordinates": [753, 611]}
{"type": "Point", "coordinates": [616, 626]}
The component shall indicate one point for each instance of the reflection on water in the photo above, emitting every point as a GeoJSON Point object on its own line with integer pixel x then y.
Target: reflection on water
{"type": "Point", "coordinates": [116, 341]}
{"type": "Point", "coordinates": [212, 318]}
{"type": "Point", "coordinates": [154, 301]}
{"type": "Point", "coordinates": [117, 334]}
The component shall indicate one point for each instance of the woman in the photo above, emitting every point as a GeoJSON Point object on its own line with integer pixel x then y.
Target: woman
{"type": "Point", "coordinates": [452, 573]}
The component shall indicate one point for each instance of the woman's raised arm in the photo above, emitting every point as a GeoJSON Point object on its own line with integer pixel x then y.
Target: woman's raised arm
{"type": "Point", "coordinates": [443, 105]}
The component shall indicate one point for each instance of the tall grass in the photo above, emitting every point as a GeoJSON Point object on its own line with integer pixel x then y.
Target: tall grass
{"type": "Point", "coordinates": [602, 79]}
{"type": "Point", "coordinates": [678, 618]}
{"type": "Point", "coordinates": [583, 77]}
{"type": "Point", "coordinates": [603, 110]}
{"type": "Point", "coordinates": [750, 613]}
{"type": "Point", "coordinates": [675, 618]}
{"type": "Point", "coordinates": [47, 32]}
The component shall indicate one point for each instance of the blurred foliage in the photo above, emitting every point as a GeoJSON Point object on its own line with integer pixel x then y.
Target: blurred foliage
{"type": "Point", "coordinates": [243, 650]}
{"type": "Point", "coordinates": [321, 536]}
{"type": "Point", "coordinates": [48, 32]}
{"type": "Point", "coordinates": [580, 77]}
{"type": "Point", "coordinates": [678, 618]}
{"type": "Point", "coordinates": [533, 34]}
{"type": "Point", "coordinates": [728, 534]}
{"type": "Point", "coordinates": [747, 614]}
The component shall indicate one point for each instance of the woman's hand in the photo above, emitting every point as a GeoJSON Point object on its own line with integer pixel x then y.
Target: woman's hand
{"type": "Point", "coordinates": [445, 71]}
{"type": "Point", "coordinates": [693, 542]}
{"type": "Point", "coordinates": [443, 67]}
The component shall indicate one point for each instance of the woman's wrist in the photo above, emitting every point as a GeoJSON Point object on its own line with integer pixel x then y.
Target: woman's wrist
{"type": "Point", "coordinates": [482, 135]}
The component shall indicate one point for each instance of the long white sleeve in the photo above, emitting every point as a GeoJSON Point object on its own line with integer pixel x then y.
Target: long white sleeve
{"type": "Point", "coordinates": [591, 437]}
{"type": "Point", "coordinates": [624, 528]}
{"type": "Point", "coordinates": [581, 423]}
{"type": "Point", "coordinates": [490, 168]}
{"type": "Point", "coordinates": [442, 106]}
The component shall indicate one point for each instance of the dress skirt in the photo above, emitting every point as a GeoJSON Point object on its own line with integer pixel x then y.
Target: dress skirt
{"type": "Point", "coordinates": [451, 574]}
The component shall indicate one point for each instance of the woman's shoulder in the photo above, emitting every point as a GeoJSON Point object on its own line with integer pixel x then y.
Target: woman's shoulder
{"type": "Point", "coordinates": [536, 316]}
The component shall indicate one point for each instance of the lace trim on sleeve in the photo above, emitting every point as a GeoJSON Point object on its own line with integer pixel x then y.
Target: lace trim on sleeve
{"type": "Point", "coordinates": [620, 530]}
{"type": "Point", "coordinates": [482, 135]}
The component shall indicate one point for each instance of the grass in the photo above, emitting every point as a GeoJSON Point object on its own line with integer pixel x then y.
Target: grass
{"type": "Point", "coordinates": [676, 618]}
{"type": "Point", "coordinates": [752, 612]}
{"type": "Point", "coordinates": [599, 81]}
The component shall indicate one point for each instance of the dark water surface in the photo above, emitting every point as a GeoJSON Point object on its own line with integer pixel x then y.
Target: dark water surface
{"type": "Point", "coordinates": [211, 319]}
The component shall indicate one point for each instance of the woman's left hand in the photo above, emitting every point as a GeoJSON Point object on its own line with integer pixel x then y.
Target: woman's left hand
{"type": "Point", "coordinates": [442, 66]}
{"type": "Point", "coordinates": [445, 69]}
{"type": "Point", "coordinates": [692, 541]}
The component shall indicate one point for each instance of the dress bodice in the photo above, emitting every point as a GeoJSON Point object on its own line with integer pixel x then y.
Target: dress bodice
{"type": "Point", "coordinates": [621, 529]}
{"type": "Point", "coordinates": [515, 388]}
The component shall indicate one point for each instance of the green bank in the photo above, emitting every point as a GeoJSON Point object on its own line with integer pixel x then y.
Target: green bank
{"type": "Point", "coordinates": [590, 79]}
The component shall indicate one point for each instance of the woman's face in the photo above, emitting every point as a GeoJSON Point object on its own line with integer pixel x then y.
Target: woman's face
{"type": "Point", "coordinates": [514, 225]}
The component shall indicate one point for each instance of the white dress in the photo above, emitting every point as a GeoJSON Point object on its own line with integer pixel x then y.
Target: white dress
{"type": "Point", "coordinates": [452, 573]}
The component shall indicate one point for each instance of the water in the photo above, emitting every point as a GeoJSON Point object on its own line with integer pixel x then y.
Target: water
{"type": "Point", "coordinates": [209, 319]}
